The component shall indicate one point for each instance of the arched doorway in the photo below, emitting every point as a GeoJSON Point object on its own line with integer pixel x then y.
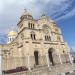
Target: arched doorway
{"type": "Point", "coordinates": [36, 57]}
{"type": "Point", "coordinates": [50, 54]}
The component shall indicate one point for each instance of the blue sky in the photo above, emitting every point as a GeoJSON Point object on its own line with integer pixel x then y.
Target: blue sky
{"type": "Point", "coordinates": [62, 11]}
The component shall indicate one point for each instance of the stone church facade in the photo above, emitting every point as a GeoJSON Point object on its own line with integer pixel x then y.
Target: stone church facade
{"type": "Point", "coordinates": [37, 43]}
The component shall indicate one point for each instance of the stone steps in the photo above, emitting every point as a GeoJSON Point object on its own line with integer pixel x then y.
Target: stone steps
{"type": "Point", "coordinates": [53, 70]}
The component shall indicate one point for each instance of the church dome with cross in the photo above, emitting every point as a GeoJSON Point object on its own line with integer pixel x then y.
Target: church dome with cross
{"type": "Point", "coordinates": [26, 15]}
{"type": "Point", "coordinates": [12, 33]}
{"type": "Point", "coordinates": [11, 36]}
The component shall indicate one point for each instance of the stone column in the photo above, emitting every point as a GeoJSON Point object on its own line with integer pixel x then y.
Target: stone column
{"type": "Point", "coordinates": [29, 62]}
{"type": "Point", "coordinates": [59, 53]}
{"type": "Point", "coordinates": [48, 63]}
{"type": "Point", "coordinates": [70, 58]}
{"type": "Point", "coordinates": [60, 58]}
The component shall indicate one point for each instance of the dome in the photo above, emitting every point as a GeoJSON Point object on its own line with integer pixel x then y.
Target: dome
{"type": "Point", "coordinates": [26, 14]}
{"type": "Point", "coordinates": [12, 33]}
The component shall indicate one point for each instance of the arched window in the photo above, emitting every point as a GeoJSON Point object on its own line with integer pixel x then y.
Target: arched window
{"type": "Point", "coordinates": [31, 25]}
{"type": "Point", "coordinates": [58, 38]}
{"type": "Point", "coordinates": [10, 39]}
{"type": "Point", "coordinates": [22, 36]}
{"type": "Point", "coordinates": [33, 36]}
{"type": "Point", "coordinates": [63, 51]}
{"type": "Point", "coordinates": [47, 38]}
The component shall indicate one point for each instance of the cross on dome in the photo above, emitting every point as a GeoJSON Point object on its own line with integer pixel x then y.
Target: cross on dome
{"type": "Point", "coordinates": [25, 12]}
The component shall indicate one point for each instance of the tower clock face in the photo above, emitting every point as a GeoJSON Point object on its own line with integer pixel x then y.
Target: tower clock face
{"type": "Point", "coordinates": [45, 29]}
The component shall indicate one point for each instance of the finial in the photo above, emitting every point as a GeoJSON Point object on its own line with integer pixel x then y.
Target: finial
{"type": "Point", "coordinates": [43, 15]}
{"type": "Point", "coordinates": [25, 10]}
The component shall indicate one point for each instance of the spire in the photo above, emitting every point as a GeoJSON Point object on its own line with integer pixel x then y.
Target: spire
{"type": "Point", "coordinates": [43, 16]}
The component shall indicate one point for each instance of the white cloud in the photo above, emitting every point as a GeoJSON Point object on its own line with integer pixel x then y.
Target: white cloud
{"type": "Point", "coordinates": [1, 6]}
{"type": "Point", "coordinates": [12, 9]}
{"type": "Point", "coordinates": [70, 14]}
{"type": "Point", "coordinates": [36, 6]}
{"type": "Point", "coordinates": [9, 1]}
{"type": "Point", "coordinates": [55, 2]}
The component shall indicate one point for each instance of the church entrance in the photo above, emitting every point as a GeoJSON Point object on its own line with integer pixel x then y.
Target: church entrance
{"type": "Point", "coordinates": [36, 57]}
{"type": "Point", "coordinates": [51, 56]}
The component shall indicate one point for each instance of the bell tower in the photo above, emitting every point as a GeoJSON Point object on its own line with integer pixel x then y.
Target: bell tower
{"type": "Point", "coordinates": [25, 17]}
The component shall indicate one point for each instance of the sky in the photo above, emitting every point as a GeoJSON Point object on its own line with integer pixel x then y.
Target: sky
{"type": "Point", "coordinates": [61, 11]}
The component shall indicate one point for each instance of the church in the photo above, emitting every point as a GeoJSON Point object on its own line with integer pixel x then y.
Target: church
{"type": "Point", "coordinates": [37, 43]}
